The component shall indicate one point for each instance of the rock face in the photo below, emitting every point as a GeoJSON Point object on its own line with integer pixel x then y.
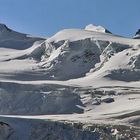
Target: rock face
{"type": "Point", "coordinates": [52, 130]}
{"type": "Point", "coordinates": [137, 35]}
{"type": "Point", "coordinates": [5, 131]}
{"type": "Point", "coordinates": [60, 131]}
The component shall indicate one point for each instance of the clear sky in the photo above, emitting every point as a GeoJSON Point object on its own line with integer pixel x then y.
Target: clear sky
{"type": "Point", "coordinates": [46, 17]}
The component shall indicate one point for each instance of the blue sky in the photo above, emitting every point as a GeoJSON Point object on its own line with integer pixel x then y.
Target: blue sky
{"type": "Point", "coordinates": [46, 17]}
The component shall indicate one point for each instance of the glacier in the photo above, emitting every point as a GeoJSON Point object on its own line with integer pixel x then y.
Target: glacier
{"type": "Point", "coordinates": [79, 84]}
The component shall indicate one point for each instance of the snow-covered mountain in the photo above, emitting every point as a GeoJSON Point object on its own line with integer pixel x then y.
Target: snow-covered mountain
{"type": "Point", "coordinates": [95, 28]}
{"type": "Point", "coordinates": [87, 80]}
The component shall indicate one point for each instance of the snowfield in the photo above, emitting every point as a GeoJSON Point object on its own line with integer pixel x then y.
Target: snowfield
{"type": "Point", "coordinates": [80, 84]}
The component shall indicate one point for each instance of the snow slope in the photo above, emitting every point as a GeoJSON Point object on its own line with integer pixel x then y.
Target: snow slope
{"type": "Point", "coordinates": [78, 75]}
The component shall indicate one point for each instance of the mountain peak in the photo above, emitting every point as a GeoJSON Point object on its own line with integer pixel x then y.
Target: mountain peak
{"type": "Point", "coordinates": [137, 35]}
{"type": "Point", "coordinates": [3, 27]}
{"type": "Point", "coordinates": [95, 28]}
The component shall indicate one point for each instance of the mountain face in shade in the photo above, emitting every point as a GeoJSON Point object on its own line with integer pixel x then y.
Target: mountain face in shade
{"type": "Point", "coordinates": [15, 40]}
{"type": "Point", "coordinates": [3, 28]}
{"type": "Point", "coordinates": [137, 35]}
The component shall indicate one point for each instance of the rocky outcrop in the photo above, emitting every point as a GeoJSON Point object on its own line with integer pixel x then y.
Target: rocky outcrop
{"type": "Point", "coordinates": [5, 131]}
